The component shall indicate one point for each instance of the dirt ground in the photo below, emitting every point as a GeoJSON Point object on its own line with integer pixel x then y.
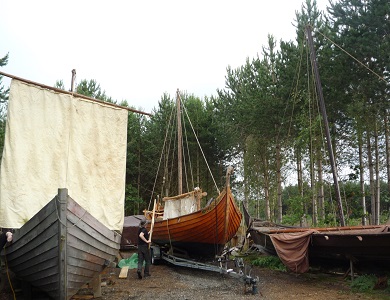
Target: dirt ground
{"type": "Point", "coordinates": [171, 282]}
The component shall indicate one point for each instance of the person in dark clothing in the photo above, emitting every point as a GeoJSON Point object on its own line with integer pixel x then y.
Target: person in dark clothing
{"type": "Point", "coordinates": [4, 238]}
{"type": "Point", "coordinates": [143, 250]}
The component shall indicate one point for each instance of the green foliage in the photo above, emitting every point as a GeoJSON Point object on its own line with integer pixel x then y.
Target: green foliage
{"type": "Point", "coordinates": [4, 93]}
{"type": "Point", "coordinates": [364, 283]}
{"type": "Point", "coordinates": [270, 262]}
{"type": "Point", "coordinates": [92, 89]}
{"type": "Point", "coordinates": [60, 85]}
{"type": "Point", "coordinates": [133, 203]}
{"type": "Point", "coordinates": [269, 104]}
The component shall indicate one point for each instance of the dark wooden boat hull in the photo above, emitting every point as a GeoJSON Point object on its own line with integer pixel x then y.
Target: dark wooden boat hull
{"type": "Point", "coordinates": [61, 248]}
{"type": "Point", "coordinates": [361, 246]}
{"type": "Point", "coordinates": [203, 233]}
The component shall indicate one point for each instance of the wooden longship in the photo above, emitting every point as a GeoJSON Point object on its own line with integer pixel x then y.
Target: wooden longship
{"type": "Point", "coordinates": [61, 248]}
{"type": "Point", "coordinates": [202, 233]}
{"type": "Point", "coordinates": [183, 226]}
{"type": "Point", "coordinates": [51, 141]}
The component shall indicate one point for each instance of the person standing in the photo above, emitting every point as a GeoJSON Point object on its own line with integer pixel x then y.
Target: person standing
{"type": "Point", "coordinates": [143, 250]}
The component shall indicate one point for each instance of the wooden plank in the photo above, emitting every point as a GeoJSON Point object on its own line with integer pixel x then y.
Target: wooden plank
{"type": "Point", "coordinates": [82, 297]}
{"type": "Point", "coordinates": [97, 286]}
{"type": "Point", "coordinates": [152, 226]}
{"type": "Point", "coordinates": [124, 271]}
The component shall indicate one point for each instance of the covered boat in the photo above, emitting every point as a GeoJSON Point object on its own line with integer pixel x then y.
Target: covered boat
{"type": "Point", "coordinates": [130, 231]}
{"type": "Point", "coordinates": [299, 247]}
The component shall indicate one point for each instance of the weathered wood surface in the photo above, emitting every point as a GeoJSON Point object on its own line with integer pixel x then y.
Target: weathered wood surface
{"type": "Point", "coordinates": [204, 232]}
{"type": "Point", "coordinates": [60, 254]}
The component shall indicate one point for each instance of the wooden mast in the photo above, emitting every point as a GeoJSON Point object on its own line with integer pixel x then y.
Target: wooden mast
{"type": "Point", "coordinates": [326, 125]}
{"type": "Point", "coordinates": [73, 79]}
{"type": "Point", "coordinates": [179, 146]}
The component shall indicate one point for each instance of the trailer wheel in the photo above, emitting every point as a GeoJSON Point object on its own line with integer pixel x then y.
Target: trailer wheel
{"type": "Point", "coordinates": [153, 261]}
{"type": "Point", "coordinates": [155, 255]}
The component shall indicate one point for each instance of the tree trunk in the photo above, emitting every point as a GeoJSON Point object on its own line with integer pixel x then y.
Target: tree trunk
{"type": "Point", "coordinates": [299, 172]}
{"type": "Point", "coordinates": [279, 181]}
{"type": "Point", "coordinates": [266, 190]}
{"type": "Point", "coordinates": [361, 174]}
{"type": "Point", "coordinates": [246, 184]}
{"type": "Point", "coordinates": [300, 186]}
{"type": "Point", "coordinates": [321, 204]}
{"type": "Point", "coordinates": [372, 180]}
{"type": "Point", "coordinates": [138, 178]}
{"type": "Point", "coordinates": [378, 180]}
{"type": "Point", "coordinates": [313, 186]}
{"type": "Point", "coordinates": [387, 141]}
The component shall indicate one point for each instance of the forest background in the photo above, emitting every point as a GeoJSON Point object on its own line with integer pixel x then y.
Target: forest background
{"type": "Point", "coordinates": [266, 122]}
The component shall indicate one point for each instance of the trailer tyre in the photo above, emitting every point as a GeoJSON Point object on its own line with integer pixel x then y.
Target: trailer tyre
{"type": "Point", "coordinates": [152, 259]}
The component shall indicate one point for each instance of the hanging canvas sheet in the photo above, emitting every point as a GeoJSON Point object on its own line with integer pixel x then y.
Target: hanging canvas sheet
{"type": "Point", "coordinates": [56, 140]}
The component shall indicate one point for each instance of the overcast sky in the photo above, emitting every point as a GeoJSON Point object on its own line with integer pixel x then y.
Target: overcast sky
{"type": "Point", "coordinates": [137, 50]}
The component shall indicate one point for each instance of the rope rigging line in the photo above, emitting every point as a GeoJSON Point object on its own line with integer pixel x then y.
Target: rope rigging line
{"type": "Point", "coordinates": [184, 156]}
{"type": "Point", "coordinates": [189, 157]}
{"type": "Point", "coordinates": [8, 276]}
{"type": "Point", "coordinates": [159, 163]}
{"type": "Point", "coordinates": [200, 147]}
{"type": "Point", "coordinates": [354, 58]}
{"type": "Point", "coordinates": [294, 92]}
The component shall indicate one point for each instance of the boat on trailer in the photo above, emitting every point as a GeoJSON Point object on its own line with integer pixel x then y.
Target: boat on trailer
{"type": "Point", "coordinates": [179, 222]}
{"type": "Point", "coordinates": [203, 232]}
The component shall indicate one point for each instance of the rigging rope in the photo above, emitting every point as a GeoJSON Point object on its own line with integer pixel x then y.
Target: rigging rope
{"type": "Point", "coordinates": [7, 270]}
{"type": "Point", "coordinates": [200, 147]}
{"type": "Point", "coordinates": [349, 54]}
{"type": "Point", "coordinates": [189, 157]}
{"type": "Point", "coordinates": [159, 163]}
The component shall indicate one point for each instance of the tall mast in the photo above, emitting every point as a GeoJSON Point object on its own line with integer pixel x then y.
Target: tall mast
{"type": "Point", "coordinates": [325, 119]}
{"type": "Point", "coordinates": [73, 79]}
{"type": "Point", "coordinates": [179, 145]}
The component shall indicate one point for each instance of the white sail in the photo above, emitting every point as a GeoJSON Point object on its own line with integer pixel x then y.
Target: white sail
{"type": "Point", "coordinates": [55, 140]}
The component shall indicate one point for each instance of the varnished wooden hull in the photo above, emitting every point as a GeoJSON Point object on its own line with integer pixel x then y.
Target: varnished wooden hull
{"type": "Point", "coordinates": [202, 233]}
{"type": "Point", "coordinates": [61, 248]}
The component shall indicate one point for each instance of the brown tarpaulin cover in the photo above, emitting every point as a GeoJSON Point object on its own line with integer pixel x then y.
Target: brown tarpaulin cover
{"type": "Point", "coordinates": [292, 249]}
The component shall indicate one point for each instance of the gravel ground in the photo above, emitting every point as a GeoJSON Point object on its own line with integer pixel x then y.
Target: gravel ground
{"type": "Point", "coordinates": [170, 282]}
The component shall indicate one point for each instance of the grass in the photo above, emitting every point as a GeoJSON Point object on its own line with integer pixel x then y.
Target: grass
{"type": "Point", "coordinates": [269, 262]}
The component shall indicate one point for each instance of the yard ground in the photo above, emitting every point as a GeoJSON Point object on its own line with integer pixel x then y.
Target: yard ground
{"type": "Point", "coordinates": [171, 282]}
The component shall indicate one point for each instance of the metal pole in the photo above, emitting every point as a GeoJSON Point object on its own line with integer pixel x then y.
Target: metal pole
{"type": "Point", "coordinates": [325, 119]}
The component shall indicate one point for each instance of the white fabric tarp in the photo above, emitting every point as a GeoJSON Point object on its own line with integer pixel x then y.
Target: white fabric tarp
{"type": "Point", "coordinates": [54, 140]}
{"type": "Point", "coordinates": [177, 207]}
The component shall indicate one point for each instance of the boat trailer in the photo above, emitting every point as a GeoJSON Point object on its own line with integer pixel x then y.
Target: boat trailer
{"type": "Point", "coordinates": [158, 253]}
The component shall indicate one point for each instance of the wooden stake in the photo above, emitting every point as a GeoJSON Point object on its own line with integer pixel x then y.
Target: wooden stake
{"type": "Point", "coordinates": [152, 225]}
